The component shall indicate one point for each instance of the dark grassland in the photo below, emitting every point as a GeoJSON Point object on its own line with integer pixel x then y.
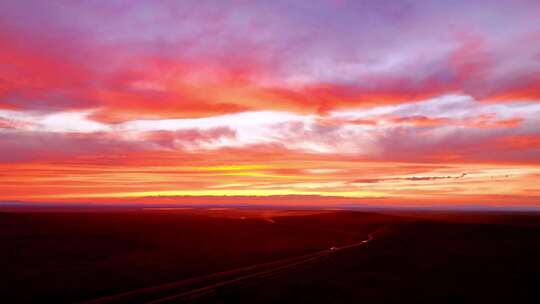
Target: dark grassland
{"type": "Point", "coordinates": [415, 257]}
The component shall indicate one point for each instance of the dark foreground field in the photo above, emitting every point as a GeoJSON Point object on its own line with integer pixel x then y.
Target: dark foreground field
{"type": "Point", "coordinates": [269, 256]}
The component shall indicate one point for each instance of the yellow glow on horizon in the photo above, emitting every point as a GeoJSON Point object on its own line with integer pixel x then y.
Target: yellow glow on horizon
{"type": "Point", "coordinates": [223, 192]}
{"type": "Point", "coordinates": [228, 168]}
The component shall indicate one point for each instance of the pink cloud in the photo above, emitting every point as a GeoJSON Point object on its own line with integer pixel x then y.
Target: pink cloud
{"type": "Point", "coordinates": [173, 139]}
{"type": "Point", "coordinates": [222, 59]}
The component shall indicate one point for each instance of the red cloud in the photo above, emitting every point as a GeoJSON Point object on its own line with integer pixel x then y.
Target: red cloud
{"type": "Point", "coordinates": [520, 142]}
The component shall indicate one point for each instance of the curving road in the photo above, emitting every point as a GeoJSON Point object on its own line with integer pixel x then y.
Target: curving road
{"type": "Point", "coordinates": [193, 288]}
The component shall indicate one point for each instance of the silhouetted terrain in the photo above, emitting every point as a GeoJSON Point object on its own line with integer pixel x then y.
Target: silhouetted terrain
{"type": "Point", "coordinates": [422, 262]}
{"type": "Point", "coordinates": [412, 257]}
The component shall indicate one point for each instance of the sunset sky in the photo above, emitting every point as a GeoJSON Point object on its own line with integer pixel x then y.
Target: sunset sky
{"type": "Point", "coordinates": [322, 102]}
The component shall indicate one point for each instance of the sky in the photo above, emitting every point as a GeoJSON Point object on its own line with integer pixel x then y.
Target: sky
{"type": "Point", "coordinates": [322, 102]}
